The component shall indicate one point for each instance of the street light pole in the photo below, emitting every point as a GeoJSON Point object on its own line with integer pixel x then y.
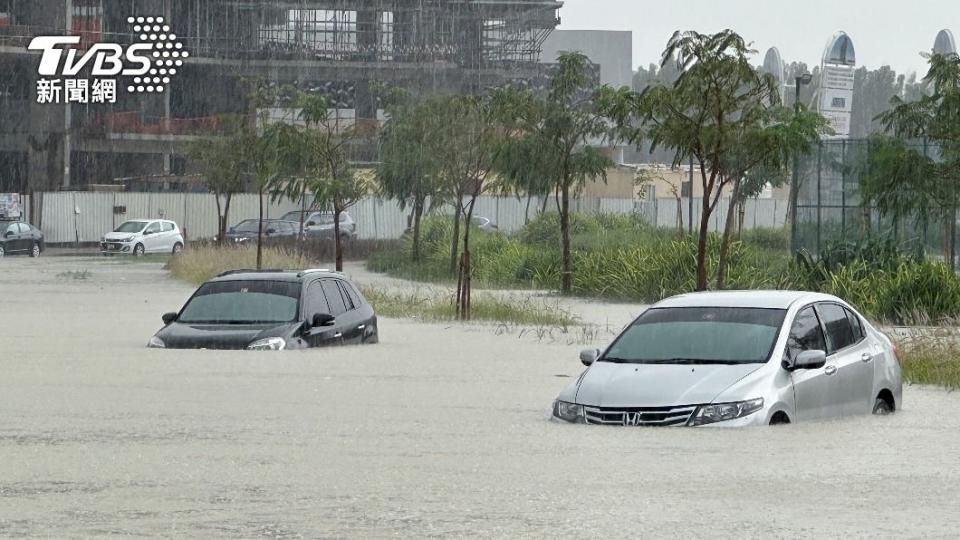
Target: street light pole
{"type": "Point", "coordinates": [794, 186]}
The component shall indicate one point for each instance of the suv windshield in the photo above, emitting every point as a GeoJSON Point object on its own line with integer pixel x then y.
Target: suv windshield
{"type": "Point", "coordinates": [243, 302]}
{"type": "Point", "coordinates": [699, 335]}
{"type": "Point", "coordinates": [131, 226]}
{"type": "Point", "coordinates": [249, 225]}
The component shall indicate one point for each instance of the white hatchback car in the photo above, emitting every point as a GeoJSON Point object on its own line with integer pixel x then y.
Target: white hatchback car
{"type": "Point", "coordinates": [736, 359]}
{"type": "Point", "coordinates": [140, 236]}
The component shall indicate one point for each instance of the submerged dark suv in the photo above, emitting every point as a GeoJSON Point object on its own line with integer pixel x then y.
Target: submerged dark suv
{"type": "Point", "coordinates": [270, 310]}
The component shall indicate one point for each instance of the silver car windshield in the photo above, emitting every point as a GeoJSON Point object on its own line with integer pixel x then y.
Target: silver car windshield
{"type": "Point", "coordinates": [698, 335]}
{"type": "Point", "coordinates": [131, 226]}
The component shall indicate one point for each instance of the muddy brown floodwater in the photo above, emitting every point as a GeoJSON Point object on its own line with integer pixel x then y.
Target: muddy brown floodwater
{"type": "Point", "coordinates": [438, 431]}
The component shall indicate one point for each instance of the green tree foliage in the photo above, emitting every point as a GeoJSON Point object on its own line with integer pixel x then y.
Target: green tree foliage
{"type": "Point", "coordinates": [720, 112]}
{"type": "Point", "coordinates": [223, 161]}
{"type": "Point", "coordinates": [408, 170]}
{"type": "Point", "coordinates": [556, 137]}
{"type": "Point", "coordinates": [901, 179]}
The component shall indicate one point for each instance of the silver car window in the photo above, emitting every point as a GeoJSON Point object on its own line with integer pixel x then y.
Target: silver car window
{"type": "Point", "coordinates": [839, 333]}
{"type": "Point", "coordinates": [805, 334]}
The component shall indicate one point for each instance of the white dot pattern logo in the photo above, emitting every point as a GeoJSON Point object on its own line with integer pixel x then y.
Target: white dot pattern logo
{"type": "Point", "coordinates": [167, 52]}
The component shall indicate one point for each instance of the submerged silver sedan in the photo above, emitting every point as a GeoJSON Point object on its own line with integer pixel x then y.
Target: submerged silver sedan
{"type": "Point", "coordinates": [737, 358]}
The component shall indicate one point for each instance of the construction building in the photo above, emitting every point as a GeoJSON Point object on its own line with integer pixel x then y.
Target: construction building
{"type": "Point", "coordinates": [338, 48]}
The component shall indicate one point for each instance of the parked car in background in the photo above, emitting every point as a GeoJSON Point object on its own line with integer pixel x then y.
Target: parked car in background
{"type": "Point", "coordinates": [320, 224]}
{"type": "Point", "coordinates": [140, 236]}
{"type": "Point", "coordinates": [273, 230]}
{"type": "Point", "coordinates": [737, 359]}
{"type": "Point", "coordinates": [20, 237]}
{"type": "Point", "coordinates": [270, 310]}
{"type": "Point", "coordinates": [484, 224]}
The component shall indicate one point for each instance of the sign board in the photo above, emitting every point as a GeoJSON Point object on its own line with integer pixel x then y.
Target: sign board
{"type": "Point", "coordinates": [10, 205]}
{"type": "Point", "coordinates": [839, 122]}
{"type": "Point", "coordinates": [838, 77]}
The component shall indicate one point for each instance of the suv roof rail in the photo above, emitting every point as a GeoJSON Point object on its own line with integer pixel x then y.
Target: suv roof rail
{"type": "Point", "coordinates": [315, 270]}
{"type": "Point", "coordinates": [249, 271]}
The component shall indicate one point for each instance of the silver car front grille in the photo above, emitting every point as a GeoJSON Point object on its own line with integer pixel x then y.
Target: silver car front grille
{"type": "Point", "coordinates": [639, 416]}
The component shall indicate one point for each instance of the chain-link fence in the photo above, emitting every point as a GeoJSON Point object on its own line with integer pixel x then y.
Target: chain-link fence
{"type": "Point", "coordinates": [830, 210]}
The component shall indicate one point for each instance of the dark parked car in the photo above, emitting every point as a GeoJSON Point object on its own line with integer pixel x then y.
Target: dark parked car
{"type": "Point", "coordinates": [18, 237]}
{"type": "Point", "coordinates": [270, 310]}
{"type": "Point", "coordinates": [273, 229]}
{"type": "Point", "coordinates": [320, 224]}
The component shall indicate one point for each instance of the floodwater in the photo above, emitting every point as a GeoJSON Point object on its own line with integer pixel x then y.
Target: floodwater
{"type": "Point", "coordinates": [438, 431]}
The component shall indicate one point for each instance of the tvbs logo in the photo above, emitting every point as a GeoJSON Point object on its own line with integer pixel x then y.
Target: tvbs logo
{"type": "Point", "coordinates": [149, 64]}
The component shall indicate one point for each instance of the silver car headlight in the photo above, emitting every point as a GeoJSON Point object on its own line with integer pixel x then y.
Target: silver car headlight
{"type": "Point", "coordinates": [156, 343]}
{"type": "Point", "coordinates": [268, 344]}
{"type": "Point", "coordinates": [571, 412]}
{"type": "Point", "coordinates": [719, 412]}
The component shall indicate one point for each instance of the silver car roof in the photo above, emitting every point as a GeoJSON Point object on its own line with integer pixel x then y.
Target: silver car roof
{"type": "Point", "coordinates": [756, 299]}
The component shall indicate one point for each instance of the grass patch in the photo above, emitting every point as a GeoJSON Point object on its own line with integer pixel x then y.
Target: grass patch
{"type": "Point", "coordinates": [201, 264]}
{"type": "Point", "coordinates": [932, 367]}
{"type": "Point", "coordinates": [485, 307]}
{"type": "Point", "coordinates": [75, 274]}
{"type": "Point", "coordinates": [932, 356]}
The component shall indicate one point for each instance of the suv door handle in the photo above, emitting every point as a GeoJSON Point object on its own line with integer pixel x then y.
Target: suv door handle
{"type": "Point", "coordinates": [866, 357]}
{"type": "Point", "coordinates": [361, 327]}
{"type": "Point", "coordinates": [338, 335]}
{"type": "Point", "coordinates": [830, 370]}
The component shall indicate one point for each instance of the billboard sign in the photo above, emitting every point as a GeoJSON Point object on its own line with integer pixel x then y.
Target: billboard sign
{"type": "Point", "coordinates": [10, 205]}
{"type": "Point", "coordinates": [836, 83]}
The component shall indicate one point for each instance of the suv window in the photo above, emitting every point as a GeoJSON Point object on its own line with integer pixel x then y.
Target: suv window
{"type": "Point", "coordinates": [805, 334]}
{"type": "Point", "coordinates": [332, 292]}
{"type": "Point", "coordinates": [316, 301]}
{"type": "Point", "coordinates": [152, 228]}
{"type": "Point", "coordinates": [347, 297]}
{"type": "Point", "coordinates": [167, 226]}
{"type": "Point", "coordinates": [856, 325]}
{"type": "Point", "coordinates": [839, 332]}
{"type": "Point", "coordinates": [351, 293]}
{"type": "Point", "coordinates": [24, 228]}
{"type": "Point", "coordinates": [13, 228]}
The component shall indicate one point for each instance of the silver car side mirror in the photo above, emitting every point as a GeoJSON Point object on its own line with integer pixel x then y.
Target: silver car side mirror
{"type": "Point", "coordinates": [589, 356]}
{"type": "Point", "coordinates": [807, 360]}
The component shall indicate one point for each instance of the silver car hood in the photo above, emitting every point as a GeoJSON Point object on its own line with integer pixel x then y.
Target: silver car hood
{"type": "Point", "coordinates": [116, 236]}
{"type": "Point", "coordinates": [607, 384]}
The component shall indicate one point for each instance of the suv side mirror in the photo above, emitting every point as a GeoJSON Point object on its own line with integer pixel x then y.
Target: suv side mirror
{"type": "Point", "coordinates": [169, 317]}
{"type": "Point", "coordinates": [322, 319]}
{"type": "Point", "coordinates": [8, 234]}
{"type": "Point", "coordinates": [589, 356]}
{"type": "Point", "coordinates": [807, 360]}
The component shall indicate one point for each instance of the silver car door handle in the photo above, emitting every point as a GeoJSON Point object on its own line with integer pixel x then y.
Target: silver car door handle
{"type": "Point", "coordinates": [338, 334]}
{"type": "Point", "coordinates": [830, 370]}
{"type": "Point", "coordinates": [361, 327]}
{"type": "Point", "coordinates": [866, 357]}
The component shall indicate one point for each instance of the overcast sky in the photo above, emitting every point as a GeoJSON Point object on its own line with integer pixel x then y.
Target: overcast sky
{"type": "Point", "coordinates": [884, 32]}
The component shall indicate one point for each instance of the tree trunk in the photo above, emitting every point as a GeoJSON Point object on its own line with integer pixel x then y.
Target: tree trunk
{"type": "Point", "coordinates": [702, 244]}
{"type": "Point", "coordinates": [742, 212]}
{"type": "Point", "coordinates": [226, 214]}
{"type": "Point", "coordinates": [543, 207]}
{"type": "Point", "coordinates": [260, 234]}
{"type": "Point", "coordinates": [680, 217]}
{"type": "Point", "coordinates": [338, 246]}
{"type": "Point", "coordinates": [464, 280]}
{"type": "Point", "coordinates": [417, 216]}
{"type": "Point", "coordinates": [455, 247]}
{"type": "Point", "coordinates": [526, 213]}
{"type": "Point", "coordinates": [301, 239]}
{"type": "Point", "coordinates": [566, 282]}
{"type": "Point", "coordinates": [725, 241]}
{"type": "Point", "coordinates": [221, 230]}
